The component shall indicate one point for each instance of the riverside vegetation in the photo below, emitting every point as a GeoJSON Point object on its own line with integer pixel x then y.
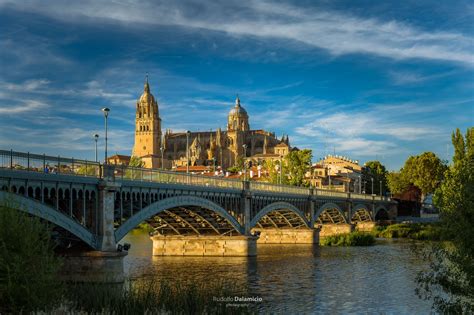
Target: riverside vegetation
{"type": "Point", "coordinates": [30, 281]}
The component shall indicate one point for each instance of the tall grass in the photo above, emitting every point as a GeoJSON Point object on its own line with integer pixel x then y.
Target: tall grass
{"type": "Point", "coordinates": [348, 239]}
{"type": "Point", "coordinates": [149, 296]}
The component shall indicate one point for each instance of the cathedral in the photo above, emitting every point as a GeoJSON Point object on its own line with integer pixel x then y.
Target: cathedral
{"type": "Point", "coordinates": [223, 148]}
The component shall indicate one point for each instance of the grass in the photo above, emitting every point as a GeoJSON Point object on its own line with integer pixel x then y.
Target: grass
{"type": "Point", "coordinates": [415, 231]}
{"type": "Point", "coordinates": [151, 297]}
{"type": "Point", "coordinates": [349, 239]}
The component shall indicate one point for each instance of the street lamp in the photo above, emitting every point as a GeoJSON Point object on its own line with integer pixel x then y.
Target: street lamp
{"type": "Point", "coordinates": [187, 151]}
{"type": "Point", "coordinates": [162, 150]}
{"type": "Point", "coordinates": [380, 187]}
{"type": "Point", "coordinates": [96, 137]}
{"type": "Point", "coordinates": [245, 164]}
{"type": "Point", "coordinates": [372, 179]}
{"type": "Point", "coordinates": [106, 115]}
{"type": "Point", "coordinates": [280, 169]}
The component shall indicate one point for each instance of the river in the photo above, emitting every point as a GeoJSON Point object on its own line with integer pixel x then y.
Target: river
{"type": "Point", "coordinates": [301, 278]}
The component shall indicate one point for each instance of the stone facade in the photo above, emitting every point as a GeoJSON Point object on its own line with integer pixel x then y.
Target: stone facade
{"type": "Point", "coordinates": [221, 147]}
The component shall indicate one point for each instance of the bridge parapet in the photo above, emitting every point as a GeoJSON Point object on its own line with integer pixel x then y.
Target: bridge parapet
{"type": "Point", "coordinates": [69, 166]}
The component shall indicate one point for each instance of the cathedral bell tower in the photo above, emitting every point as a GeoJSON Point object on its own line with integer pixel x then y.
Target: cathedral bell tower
{"type": "Point", "coordinates": [147, 129]}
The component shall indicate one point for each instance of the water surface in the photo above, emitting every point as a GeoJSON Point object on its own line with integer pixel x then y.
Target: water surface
{"type": "Point", "coordinates": [301, 278]}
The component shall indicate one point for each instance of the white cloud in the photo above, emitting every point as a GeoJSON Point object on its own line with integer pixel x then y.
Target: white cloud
{"type": "Point", "coordinates": [22, 107]}
{"type": "Point", "coordinates": [337, 33]}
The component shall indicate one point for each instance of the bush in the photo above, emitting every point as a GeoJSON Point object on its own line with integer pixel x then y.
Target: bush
{"type": "Point", "coordinates": [28, 266]}
{"type": "Point", "coordinates": [349, 239]}
{"type": "Point", "coordinates": [416, 231]}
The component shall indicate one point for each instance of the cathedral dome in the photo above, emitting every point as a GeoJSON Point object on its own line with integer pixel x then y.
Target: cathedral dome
{"type": "Point", "coordinates": [238, 118]}
{"type": "Point", "coordinates": [238, 110]}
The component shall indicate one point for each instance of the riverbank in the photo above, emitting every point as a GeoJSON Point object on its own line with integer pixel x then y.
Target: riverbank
{"type": "Point", "coordinates": [348, 239]}
{"type": "Point", "coordinates": [415, 231]}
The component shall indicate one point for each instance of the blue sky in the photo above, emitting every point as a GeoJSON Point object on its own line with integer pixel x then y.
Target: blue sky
{"type": "Point", "coordinates": [370, 80]}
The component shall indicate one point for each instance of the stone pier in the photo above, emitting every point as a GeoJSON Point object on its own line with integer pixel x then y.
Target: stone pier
{"type": "Point", "coordinates": [365, 226]}
{"type": "Point", "coordinates": [287, 236]}
{"type": "Point", "coordinates": [204, 245]}
{"type": "Point", "coordinates": [93, 266]}
{"type": "Point", "coordinates": [335, 229]}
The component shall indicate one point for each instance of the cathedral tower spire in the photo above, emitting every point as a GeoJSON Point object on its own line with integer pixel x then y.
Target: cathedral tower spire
{"type": "Point", "coordinates": [147, 127]}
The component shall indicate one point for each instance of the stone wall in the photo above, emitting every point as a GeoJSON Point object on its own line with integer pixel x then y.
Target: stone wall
{"type": "Point", "coordinates": [287, 236]}
{"type": "Point", "coordinates": [335, 229]}
{"type": "Point", "coordinates": [365, 226]}
{"type": "Point", "coordinates": [93, 266]}
{"type": "Point", "coordinates": [201, 245]}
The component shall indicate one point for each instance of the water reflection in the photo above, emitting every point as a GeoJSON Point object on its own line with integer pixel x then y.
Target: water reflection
{"type": "Point", "coordinates": [300, 278]}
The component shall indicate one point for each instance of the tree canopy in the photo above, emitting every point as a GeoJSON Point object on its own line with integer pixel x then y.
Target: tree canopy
{"type": "Point", "coordinates": [452, 264]}
{"type": "Point", "coordinates": [377, 171]}
{"type": "Point", "coordinates": [294, 167]}
{"type": "Point", "coordinates": [425, 171]}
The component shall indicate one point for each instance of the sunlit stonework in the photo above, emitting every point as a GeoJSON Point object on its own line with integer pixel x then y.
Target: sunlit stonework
{"type": "Point", "coordinates": [222, 147]}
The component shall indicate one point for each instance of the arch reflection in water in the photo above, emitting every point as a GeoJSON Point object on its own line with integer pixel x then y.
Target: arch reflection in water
{"type": "Point", "coordinates": [300, 278]}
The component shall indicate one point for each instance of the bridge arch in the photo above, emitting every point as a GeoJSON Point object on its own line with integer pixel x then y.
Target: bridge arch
{"type": "Point", "coordinates": [174, 202]}
{"type": "Point", "coordinates": [381, 213]}
{"type": "Point", "coordinates": [40, 210]}
{"type": "Point", "coordinates": [361, 213]}
{"type": "Point", "coordinates": [279, 206]}
{"type": "Point", "coordinates": [331, 210]}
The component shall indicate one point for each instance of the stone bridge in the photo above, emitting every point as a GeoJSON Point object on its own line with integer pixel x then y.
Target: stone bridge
{"type": "Point", "coordinates": [95, 206]}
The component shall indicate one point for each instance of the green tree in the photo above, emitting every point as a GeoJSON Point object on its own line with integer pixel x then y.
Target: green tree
{"type": "Point", "coordinates": [135, 161]}
{"type": "Point", "coordinates": [377, 171]}
{"type": "Point", "coordinates": [450, 282]}
{"type": "Point", "coordinates": [294, 167]}
{"type": "Point", "coordinates": [28, 266]}
{"type": "Point", "coordinates": [238, 166]}
{"type": "Point", "coordinates": [425, 171]}
{"type": "Point", "coordinates": [273, 169]}
{"type": "Point", "coordinates": [459, 146]}
{"type": "Point", "coordinates": [396, 183]}
{"type": "Point", "coordinates": [89, 170]}
{"type": "Point", "coordinates": [297, 163]}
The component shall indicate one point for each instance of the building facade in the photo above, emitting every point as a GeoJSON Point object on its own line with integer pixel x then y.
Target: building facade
{"type": "Point", "coordinates": [223, 148]}
{"type": "Point", "coordinates": [336, 173]}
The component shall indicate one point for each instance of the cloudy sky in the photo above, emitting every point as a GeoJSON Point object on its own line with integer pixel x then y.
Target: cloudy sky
{"type": "Point", "coordinates": [370, 80]}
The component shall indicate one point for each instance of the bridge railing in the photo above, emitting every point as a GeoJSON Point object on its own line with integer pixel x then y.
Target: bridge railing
{"type": "Point", "coordinates": [60, 165]}
{"type": "Point", "coordinates": [362, 196]}
{"type": "Point", "coordinates": [261, 186]}
{"type": "Point", "coordinates": [330, 193]}
{"type": "Point", "coordinates": [161, 176]}
{"type": "Point", "coordinates": [48, 164]}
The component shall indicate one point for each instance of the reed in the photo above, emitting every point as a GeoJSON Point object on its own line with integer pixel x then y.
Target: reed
{"type": "Point", "coordinates": [349, 239]}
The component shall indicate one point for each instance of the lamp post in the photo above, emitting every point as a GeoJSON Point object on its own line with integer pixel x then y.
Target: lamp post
{"type": "Point", "coordinates": [360, 184]}
{"type": "Point", "coordinates": [280, 169]}
{"type": "Point", "coordinates": [380, 187]}
{"type": "Point", "coordinates": [372, 179]}
{"type": "Point", "coordinates": [187, 151]}
{"type": "Point", "coordinates": [245, 164]}
{"type": "Point", "coordinates": [106, 111]}
{"type": "Point", "coordinates": [96, 137]}
{"type": "Point", "coordinates": [162, 151]}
